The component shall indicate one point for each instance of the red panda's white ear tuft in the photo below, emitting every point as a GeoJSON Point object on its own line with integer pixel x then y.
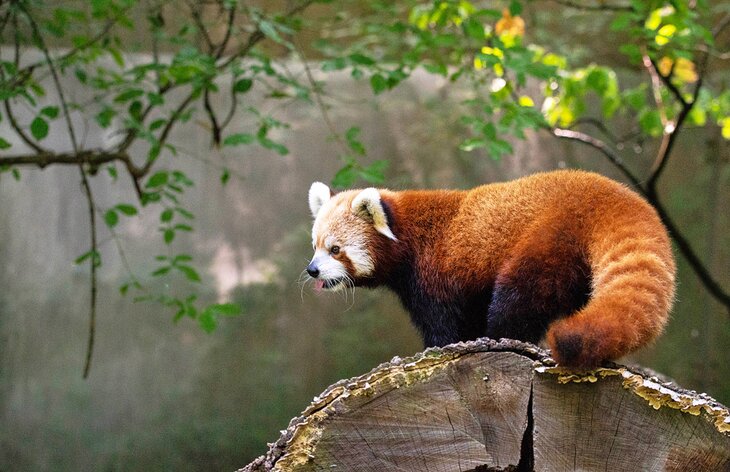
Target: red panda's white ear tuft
{"type": "Point", "coordinates": [367, 203]}
{"type": "Point", "coordinates": [319, 194]}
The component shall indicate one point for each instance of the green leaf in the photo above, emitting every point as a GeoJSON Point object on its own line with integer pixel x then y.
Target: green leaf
{"type": "Point", "coordinates": [375, 172]}
{"type": "Point", "coordinates": [117, 56]}
{"type": "Point", "coordinates": [632, 51]}
{"type": "Point", "coordinates": [4, 144]}
{"type": "Point", "coordinates": [345, 177]}
{"type": "Point", "coordinates": [182, 227]}
{"type": "Point", "coordinates": [112, 171]}
{"type": "Point", "coordinates": [238, 138]}
{"type": "Point", "coordinates": [39, 128]}
{"type": "Point", "coordinates": [515, 7]}
{"type": "Point", "coordinates": [439, 69]}
{"type": "Point", "coordinates": [128, 95]}
{"type": "Point", "coordinates": [225, 176]}
{"type": "Point", "coordinates": [157, 124]}
{"type": "Point", "coordinates": [169, 236]}
{"type": "Point", "coordinates": [474, 29]}
{"type": "Point", "coordinates": [158, 179]}
{"type": "Point", "coordinates": [166, 215]}
{"type": "Point", "coordinates": [269, 144]}
{"type": "Point", "coordinates": [378, 83]}
{"type": "Point", "coordinates": [338, 63]}
{"type": "Point", "coordinates": [361, 59]}
{"type": "Point", "coordinates": [243, 85]}
{"type": "Point", "coordinates": [111, 218]}
{"type": "Point", "coordinates": [51, 111]}
{"type": "Point", "coordinates": [598, 79]}
{"type": "Point", "coordinates": [353, 141]}
{"type": "Point", "coordinates": [81, 75]}
{"type": "Point", "coordinates": [207, 322]}
{"type": "Point", "coordinates": [498, 148]}
{"type": "Point", "coordinates": [129, 210]}
{"type": "Point", "coordinates": [182, 258]}
{"type": "Point", "coordinates": [104, 117]}
{"type": "Point", "coordinates": [190, 273]}
{"type": "Point", "coordinates": [96, 257]}
{"type": "Point", "coordinates": [225, 309]}
{"type": "Point", "coordinates": [185, 213]}
{"type": "Point", "coordinates": [161, 271]}
{"type": "Point", "coordinates": [651, 122]}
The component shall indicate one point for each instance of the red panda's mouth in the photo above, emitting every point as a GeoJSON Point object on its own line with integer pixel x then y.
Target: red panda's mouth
{"type": "Point", "coordinates": [326, 284]}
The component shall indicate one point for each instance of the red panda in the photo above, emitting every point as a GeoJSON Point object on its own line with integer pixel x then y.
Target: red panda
{"type": "Point", "coordinates": [567, 256]}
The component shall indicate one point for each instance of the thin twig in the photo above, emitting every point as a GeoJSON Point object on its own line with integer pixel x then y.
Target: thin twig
{"type": "Point", "coordinates": [601, 126]}
{"type": "Point", "coordinates": [603, 148]}
{"type": "Point", "coordinates": [93, 260]}
{"type": "Point", "coordinates": [601, 7]}
{"type": "Point", "coordinates": [671, 130]}
{"type": "Point", "coordinates": [19, 131]}
{"type": "Point", "coordinates": [653, 69]}
{"type": "Point", "coordinates": [195, 12]}
{"type": "Point", "coordinates": [656, 87]}
{"type": "Point", "coordinates": [229, 30]}
{"type": "Point", "coordinates": [257, 35]}
{"type": "Point", "coordinates": [320, 103]}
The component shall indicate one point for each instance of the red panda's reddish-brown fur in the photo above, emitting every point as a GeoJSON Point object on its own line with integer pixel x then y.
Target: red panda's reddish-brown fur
{"type": "Point", "coordinates": [570, 256]}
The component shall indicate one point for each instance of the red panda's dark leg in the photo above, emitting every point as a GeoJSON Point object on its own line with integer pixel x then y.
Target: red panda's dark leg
{"type": "Point", "coordinates": [545, 278]}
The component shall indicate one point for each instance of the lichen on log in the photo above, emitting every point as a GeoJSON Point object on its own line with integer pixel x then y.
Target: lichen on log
{"type": "Point", "coordinates": [502, 405]}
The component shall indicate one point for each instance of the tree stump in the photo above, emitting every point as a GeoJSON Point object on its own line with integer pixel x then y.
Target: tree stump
{"type": "Point", "coordinates": [488, 405]}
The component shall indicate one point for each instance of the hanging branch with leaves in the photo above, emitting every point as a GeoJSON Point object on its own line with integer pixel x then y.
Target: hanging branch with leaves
{"type": "Point", "coordinates": [133, 100]}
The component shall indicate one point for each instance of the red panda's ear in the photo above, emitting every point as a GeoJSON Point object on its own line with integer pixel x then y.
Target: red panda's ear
{"type": "Point", "coordinates": [319, 194]}
{"type": "Point", "coordinates": [368, 205]}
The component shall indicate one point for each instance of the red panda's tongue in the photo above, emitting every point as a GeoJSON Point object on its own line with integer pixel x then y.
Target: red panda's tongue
{"type": "Point", "coordinates": [318, 285]}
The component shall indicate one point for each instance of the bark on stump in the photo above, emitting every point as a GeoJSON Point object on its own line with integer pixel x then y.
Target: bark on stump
{"type": "Point", "coordinates": [488, 405]}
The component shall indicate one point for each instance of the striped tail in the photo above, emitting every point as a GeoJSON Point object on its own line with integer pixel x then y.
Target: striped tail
{"type": "Point", "coordinates": [632, 293]}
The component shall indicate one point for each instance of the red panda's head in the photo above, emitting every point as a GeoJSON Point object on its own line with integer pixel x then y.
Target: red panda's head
{"type": "Point", "coordinates": [348, 229]}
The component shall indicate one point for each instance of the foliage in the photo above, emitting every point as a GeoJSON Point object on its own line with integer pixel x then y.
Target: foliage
{"type": "Point", "coordinates": [515, 87]}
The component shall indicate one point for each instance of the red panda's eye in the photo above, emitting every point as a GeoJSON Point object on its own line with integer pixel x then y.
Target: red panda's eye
{"type": "Point", "coordinates": [335, 250]}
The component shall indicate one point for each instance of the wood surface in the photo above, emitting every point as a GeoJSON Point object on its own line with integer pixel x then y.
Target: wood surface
{"type": "Point", "coordinates": [488, 405]}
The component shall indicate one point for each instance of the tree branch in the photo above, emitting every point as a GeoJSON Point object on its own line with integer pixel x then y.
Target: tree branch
{"type": "Point", "coordinates": [599, 145]}
{"type": "Point", "coordinates": [671, 129]}
{"type": "Point", "coordinates": [93, 260]}
{"type": "Point", "coordinates": [91, 157]}
{"type": "Point", "coordinates": [601, 7]}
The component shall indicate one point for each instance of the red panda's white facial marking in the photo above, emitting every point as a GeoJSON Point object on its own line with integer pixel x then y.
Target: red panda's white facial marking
{"type": "Point", "coordinates": [345, 221]}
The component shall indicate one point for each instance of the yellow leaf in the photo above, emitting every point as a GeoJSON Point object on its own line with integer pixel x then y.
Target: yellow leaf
{"type": "Point", "coordinates": [655, 17]}
{"type": "Point", "coordinates": [654, 20]}
{"type": "Point", "coordinates": [664, 34]}
{"type": "Point", "coordinates": [525, 101]}
{"type": "Point", "coordinates": [496, 52]}
{"type": "Point", "coordinates": [498, 69]}
{"type": "Point", "coordinates": [682, 69]}
{"type": "Point", "coordinates": [511, 25]}
{"type": "Point", "coordinates": [725, 123]}
{"type": "Point", "coordinates": [665, 65]}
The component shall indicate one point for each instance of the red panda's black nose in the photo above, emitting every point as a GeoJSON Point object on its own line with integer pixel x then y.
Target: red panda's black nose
{"type": "Point", "coordinates": [312, 270]}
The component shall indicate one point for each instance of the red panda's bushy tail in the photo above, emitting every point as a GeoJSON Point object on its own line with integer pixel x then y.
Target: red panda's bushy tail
{"type": "Point", "coordinates": [632, 292]}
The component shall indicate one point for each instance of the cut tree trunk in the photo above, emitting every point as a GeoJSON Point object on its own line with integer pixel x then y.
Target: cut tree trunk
{"type": "Point", "coordinates": [488, 405]}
